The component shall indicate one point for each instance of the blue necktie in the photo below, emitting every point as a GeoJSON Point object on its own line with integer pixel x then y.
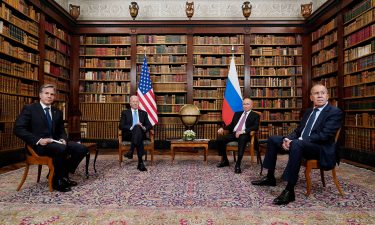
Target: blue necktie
{"type": "Point", "coordinates": [309, 124]}
{"type": "Point", "coordinates": [135, 117]}
{"type": "Point", "coordinates": [49, 119]}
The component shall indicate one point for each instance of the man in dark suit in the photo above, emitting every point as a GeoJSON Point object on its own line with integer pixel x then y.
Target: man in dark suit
{"type": "Point", "coordinates": [134, 124]}
{"type": "Point", "coordinates": [41, 126]}
{"type": "Point", "coordinates": [314, 138]}
{"type": "Point", "coordinates": [242, 124]}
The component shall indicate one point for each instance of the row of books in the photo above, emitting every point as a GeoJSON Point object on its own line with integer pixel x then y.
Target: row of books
{"type": "Point", "coordinates": [52, 28]}
{"type": "Point", "coordinates": [356, 79]}
{"type": "Point", "coordinates": [276, 61]}
{"type": "Point", "coordinates": [365, 90]}
{"type": "Point", "coordinates": [170, 99]}
{"type": "Point", "coordinates": [169, 78]}
{"type": "Point", "coordinates": [216, 71]}
{"type": "Point", "coordinates": [8, 140]}
{"type": "Point", "coordinates": [277, 103]}
{"type": "Point", "coordinates": [323, 56]}
{"type": "Point", "coordinates": [361, 139]}
{"type": "Point", "coordinates": [161, 49]}
{"type": "Point", "coordinates": [161, 39]}
{"type": "Point", "coordinates": [56, 70]}
{"type": "Point", "coordinates": [271, 92]}
{"type": "Point", "coordinates": [201, 93]}
{"type": "Point", "coordinates": [211, 116]}
{"type": "Point", "coordinates": [99, 130]}
{"type": "Point", "coordinates": [366, 120]}
{"type": "Point", "coordinates": [104, 98]}
{"type": "Point", "coordinates": [11, 106]}
{"type": "Point", "coordinates": [276, 81]}
{"type": "Point", "coordinates": [165, 68]}
{"type": "Point", "coordinates": [271, 51]}
{"type": "Point", "coordinates": [331, 25]}
{"type": "Point", "coordinates": [218, 60]}
{"type": "Point", "coordinates": [28, 25]}
{"type": "Point", "coordinates": [275, 40]}
{"type": "Point", "coordinates": [358, 9]}
{"type": "Point", "coordinates": [108, 75]}
{"type": "Point", "coordinates": [283, 71]}
{"type": "Point", "coordinates": [98, 112]}
{"type": "Point", "coordinates": [24, 70]}
{"type": "Point", "coordinates": [113, 40]}
{"type": "Point", "coordinates": [216, 49]}
{"type": "Point", "coordinates": [104, 63]}
{"type": "Point", "coordinates": [27, 10]}
{"type": "Point", "coordinates": [211, 82]}
{"type": "Point", "coordinates": [179, 87]}
{"type": "Point", "coordinates": [13, 85]}
{"type": "Point", "coordinates": [359, 36]}
{"type": "Point", "coordinates": [360, 51]}
{"type": "Point", "coordinates": [169, 108]}
{"type": "Point", "coordinates": [359, 104]}
{"type": "Point", "coordinates": [360, 21]}
{"type": "Point", "coordinates": [106, 87]}
{"type": "Point", "coordinates": [60, 85]}
{"type": "Point", "coordinates": [57, 58]}
{"type": "Point", "coordinates": [282, 129]}
{"type": "Point", "coordinates": [163, 59]}
{"type": "Point", "coordinates": [360, 64]}
{"type": "Point", "coordinates": [325, 68]}
{"type": "Point", "coordinates": [57, 44]}
{"type": "Point", "coordinates": [105, 51]}
{"type": "Point", "coordinates": [209, 104]}
{"type": "Point", "coordinates": [218, 40]}
{"type": "Point", "coordinates": [278, 116]}
{"type": "Point", "coordinates": [20, 35]}
{"type": "Point", "coordinates": [17, 52]}
{"type": "Point", "coordinates": [325, 42]}
{"type": "Point", "coordinates": [328, 82]}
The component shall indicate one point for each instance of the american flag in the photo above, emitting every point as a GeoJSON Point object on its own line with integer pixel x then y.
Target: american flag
{"type": "Point", "coordinates": [146, 94]}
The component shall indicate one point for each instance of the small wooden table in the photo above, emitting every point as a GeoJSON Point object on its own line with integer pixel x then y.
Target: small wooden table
{"type": "Point", "coordinates": [197, 143]}
{"type": "Point", "coordinates": [91, 147]}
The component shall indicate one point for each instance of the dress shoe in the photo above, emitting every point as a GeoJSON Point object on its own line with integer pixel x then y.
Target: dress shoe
{"type": "Point", "coordinates": [69, 182]}
{"type": "Point", "coordinates": [141, 167]}
{"type": "Point", "coordinates": [223, 163]}
{"type": "Point", "coordinates": [284, 198]}
{"type": "Point", "coordinates": [265, 181]}
{"type": "Point", "coordinates": [129, 155]}
{"type": "Point", "coordinates": [237, 169]}
{"type": "Point", "coordinates": [60, 185]}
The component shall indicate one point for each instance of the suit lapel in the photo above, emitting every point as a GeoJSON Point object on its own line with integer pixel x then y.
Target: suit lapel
{"type": "Point", "coordinates": [322, 115]}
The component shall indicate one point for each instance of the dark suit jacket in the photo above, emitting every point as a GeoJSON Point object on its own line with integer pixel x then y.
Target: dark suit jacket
{"type": "Point", "coordinates": [323, 133]}
{"type": "Point", "coordinates": [126, 121]}
{"type": "Point", "coordinates": [251, 124]}
{"type": "Point", "coordinates": [31, 125]}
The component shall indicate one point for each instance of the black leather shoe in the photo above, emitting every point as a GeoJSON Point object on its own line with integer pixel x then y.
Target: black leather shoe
{"type": "Point", "coordinates": [70, 182]}
{"type": "Point", "coordinates": [284, 198]}
{"type": "Point", "coordinates": [141, 167]}
{"type": "Point", "coordinates": [237, 169]}
{"type": "Point", "coordinates": [128, 155]}
{"type": "Point", "coordinates": [265, 181]}
{"type": "Point", "coordinates": [60, 185]}
{"type": "Point", "coordinates": [223, 163]}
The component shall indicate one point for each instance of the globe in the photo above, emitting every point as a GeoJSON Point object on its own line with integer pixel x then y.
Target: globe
{"type": "Point", "coordinates": [189, 115]}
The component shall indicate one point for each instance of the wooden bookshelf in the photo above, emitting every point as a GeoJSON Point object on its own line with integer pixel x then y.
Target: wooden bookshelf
{"type": "Point", "coordinates": [104, 83]}
{"type": "Point", "coordinates": [19, 66]}
{"type": "Point", "coordinates": [167, 59]}
{"type": "Point", "coordinates": [359, 76]}
{"type": "Point", "coordinates": [57, 62]}
{"type": "Point", "coordinates": [276, 81]}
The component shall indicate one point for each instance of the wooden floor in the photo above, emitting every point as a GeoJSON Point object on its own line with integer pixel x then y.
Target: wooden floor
{"type": "Point", "coordinates": [158, 152]}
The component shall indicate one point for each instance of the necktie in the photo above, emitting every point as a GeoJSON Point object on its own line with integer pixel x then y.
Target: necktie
{"type": "Point", "coordinates": [309, 124]}
{"type": "Point", "coordinates": [49, 119]}
{"type": "Point", "coordinates": [135, 117]}
{"type": "Point", "coordinates": [240, 125]}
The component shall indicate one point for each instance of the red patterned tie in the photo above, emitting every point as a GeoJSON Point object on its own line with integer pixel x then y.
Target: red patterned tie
{"type": "Point", "coordinates": [239, 128]}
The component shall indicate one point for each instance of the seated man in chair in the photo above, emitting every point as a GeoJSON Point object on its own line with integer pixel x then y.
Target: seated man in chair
{"type": "Point", "coordinates": [134, 124]}
{"type": "Point", "coordinates": [314, 138]}
{"type": "Point", "coordinates": [242, 124]}
{"type": "Point", "coordinates": [41, 126]}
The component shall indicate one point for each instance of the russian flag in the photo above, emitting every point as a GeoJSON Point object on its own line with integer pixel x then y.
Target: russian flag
{"type": "Point", "coordinates": [232, 97]}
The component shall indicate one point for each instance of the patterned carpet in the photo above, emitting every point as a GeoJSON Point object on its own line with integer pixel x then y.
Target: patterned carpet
{"type": "Point", "coordinates": [187, 192]}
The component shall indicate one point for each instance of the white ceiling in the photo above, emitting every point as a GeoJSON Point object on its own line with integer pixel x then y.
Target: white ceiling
{"type": "Point", "coordinates": [203, 9]}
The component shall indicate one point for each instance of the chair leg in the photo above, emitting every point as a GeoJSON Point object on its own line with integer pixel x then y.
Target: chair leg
{"type": "Point", "coordinates": [24, 177]}
{"type": "Point", "coordinates": [120, 157]}
{"type": "Point", "coordinates": [308, 180]}
{"type": "Point", "coordinates": [234, 156]}
{"type": "Point", "coordinates": [152, 156]}
{"type": "Point", "coordinates": [50, 177]}
{"type": "Point", "coordinates": [322, 177]}
{"type": "Point", "coordinates": [39, 172]}
{"type": "Point", "coordinates": [337, 182]}
{"type": "Point", "coordinates": [252, 154]}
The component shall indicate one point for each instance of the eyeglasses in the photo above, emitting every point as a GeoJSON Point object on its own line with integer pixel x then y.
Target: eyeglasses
{"type": "Point", "coordinates": [318, 93]}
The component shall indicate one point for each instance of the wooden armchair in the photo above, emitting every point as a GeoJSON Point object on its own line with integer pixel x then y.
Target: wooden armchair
{"type": "Point", "coordinates": [35, 159]}
{"type": "Point", "coordinates": [233, 146]}
{"type": "Point", "coordinates": [124, 146]}
{"type": "Point", "coordinates": [314, 164]}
